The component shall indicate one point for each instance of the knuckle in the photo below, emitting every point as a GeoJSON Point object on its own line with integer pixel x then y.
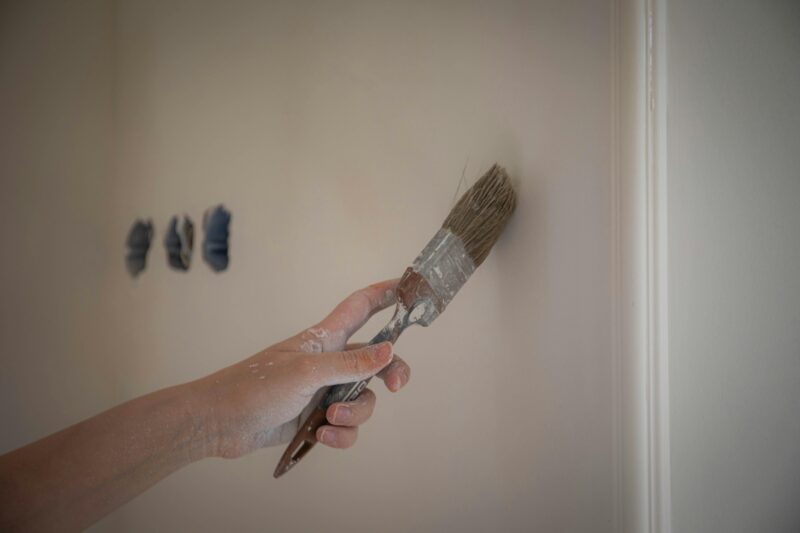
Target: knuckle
{"type": "Point", "coordinates": [367, 410]}
{"type": "Point", "coordinates": [364, 405]}
{"type": "Point", "coordinates": [366, 299]}
{"type": "Point", "coordinates": [367, 398]}
{"type": "Point", "coordinates": [359, 297]}
{"type": "Point", "coordinates": [356, 361]}
{"type": "Point", "coordinates": [401, 367]}
{"type": "Point", "coordinates": [350, 361]}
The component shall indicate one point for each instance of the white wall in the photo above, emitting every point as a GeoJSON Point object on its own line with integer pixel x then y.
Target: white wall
{"type": "Point", "coordinates": [337, 136]}
{"type": "Point", "coordinates": [734, 248]}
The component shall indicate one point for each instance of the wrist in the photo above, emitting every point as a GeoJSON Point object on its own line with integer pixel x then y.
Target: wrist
{"type": "Point", "coordinates": [205, 430]}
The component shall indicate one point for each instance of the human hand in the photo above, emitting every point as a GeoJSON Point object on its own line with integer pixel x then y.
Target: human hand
{"type": "Point", "coordinates": [262, 400]}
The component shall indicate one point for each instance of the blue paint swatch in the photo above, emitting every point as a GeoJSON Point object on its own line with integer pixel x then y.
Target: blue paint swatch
{"type": "Point", "coordinates": [216, 224]}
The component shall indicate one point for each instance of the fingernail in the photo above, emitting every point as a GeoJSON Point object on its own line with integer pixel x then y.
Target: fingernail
{"type": "Point", "coordinates": [342, 414]}
{"type": "Point", "coordinates": [326, 436]}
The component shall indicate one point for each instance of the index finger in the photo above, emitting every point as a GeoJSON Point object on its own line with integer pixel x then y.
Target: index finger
{"type": "Point", "coordinates": [332, 332]}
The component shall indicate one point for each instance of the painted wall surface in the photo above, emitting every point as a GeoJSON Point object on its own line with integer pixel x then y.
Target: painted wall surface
{"type": "Point", "coordinates": [55, 193]}
{"type": "Point", "coordinates": [734, 222]}
{"type": "Point", "coordinates": [337, 136]}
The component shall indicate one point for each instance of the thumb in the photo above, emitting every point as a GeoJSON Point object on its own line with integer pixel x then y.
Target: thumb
{"type": "Point", "coordinates": [334, 368]}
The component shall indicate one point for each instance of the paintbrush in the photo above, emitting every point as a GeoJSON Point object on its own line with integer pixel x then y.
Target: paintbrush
{"type": "Point", "coordinates": [428, 285]}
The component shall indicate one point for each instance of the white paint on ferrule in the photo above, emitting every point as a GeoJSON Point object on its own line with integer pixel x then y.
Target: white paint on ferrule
{"type": "Point", "coordinates": [445, 265]}
{"type": "Point", "coordinates": [418, 312]}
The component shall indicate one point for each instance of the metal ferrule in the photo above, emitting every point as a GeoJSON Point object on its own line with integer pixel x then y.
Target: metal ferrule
{"type": "Point", "coordinates": [446, 266]}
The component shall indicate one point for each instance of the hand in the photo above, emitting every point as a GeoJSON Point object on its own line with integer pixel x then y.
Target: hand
{"type": "Point", "coordinates": [262, 400]}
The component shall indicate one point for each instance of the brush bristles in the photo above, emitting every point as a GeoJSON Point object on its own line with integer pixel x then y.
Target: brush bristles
{"type": "Point", "coordinates": [481, 214]}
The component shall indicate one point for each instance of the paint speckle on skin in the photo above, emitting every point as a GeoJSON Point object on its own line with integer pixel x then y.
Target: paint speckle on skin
{"type": "Point", "coordinates": [388, 297]}
{"type": "Point", "coordinates": [318, 340]}
{"type": "Point", "coordinates": [311, 346]}
{"type": "Point", "coordinates": [319, 333]}
{"type": "Point", "coordinates": [341, 323]}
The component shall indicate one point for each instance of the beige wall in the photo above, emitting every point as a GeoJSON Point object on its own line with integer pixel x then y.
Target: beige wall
{"type": "Point", "coordinates": [337, 136]}
{"type": "Point", "coordinates": [55, 193]}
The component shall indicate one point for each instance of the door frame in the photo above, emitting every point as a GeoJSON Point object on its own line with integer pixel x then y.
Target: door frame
{"type": "Point", "coordinates": [640, 267]}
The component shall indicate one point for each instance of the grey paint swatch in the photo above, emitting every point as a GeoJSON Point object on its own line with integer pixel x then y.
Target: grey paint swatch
{"type": "Point", "coordinates": [179, 242]}
{"type": "Point", "coordinates": [138, 243]}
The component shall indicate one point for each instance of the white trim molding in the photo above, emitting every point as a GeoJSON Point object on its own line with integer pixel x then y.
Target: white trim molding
{"type": "Point", "coordinates": [639, 188]}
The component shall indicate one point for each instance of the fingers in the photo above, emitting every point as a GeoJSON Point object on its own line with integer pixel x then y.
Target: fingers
{"type": "Point", "coordinates": [353, 312]}
{"type": "Point", "coordinates": [332, 368]}
{"type": "Point", "coordinates": [396, 374]}
{"type": "Point", "coordinates": [337, 437]}
{"type": "Point", "coordinates": [352, 414]}
{"type": "Point", "coordinates": [345, 417]}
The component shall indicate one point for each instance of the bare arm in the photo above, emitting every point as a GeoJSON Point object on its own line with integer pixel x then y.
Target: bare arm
{"type": "Point", "coordinates": [71, 479]}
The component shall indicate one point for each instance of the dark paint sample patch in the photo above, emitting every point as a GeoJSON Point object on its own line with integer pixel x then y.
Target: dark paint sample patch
{"type": "Point", "coordinates": [216, 223]}
{"type": "Point", "coordinates": [179, 242]}
{"type": "Point", "coordinates": [138, 243]}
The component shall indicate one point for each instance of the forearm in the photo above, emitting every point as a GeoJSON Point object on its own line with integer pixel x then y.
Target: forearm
{"type": "Point", "coordinates": [71, 479]}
